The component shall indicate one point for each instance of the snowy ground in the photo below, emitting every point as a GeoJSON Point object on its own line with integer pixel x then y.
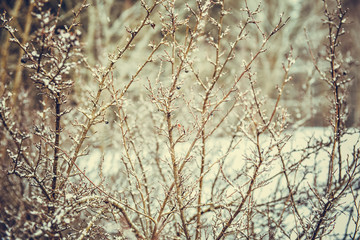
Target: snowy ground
{"type": "Point", "coordinates": [299, 140]}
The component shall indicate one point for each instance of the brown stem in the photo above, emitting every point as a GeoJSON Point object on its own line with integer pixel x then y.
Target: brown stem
{"type": "Point", "coordinates": [202, 168]}
{"type": "Point", "coordinates": [56, 144]}
{"type": "Point", "coordinates": [90, 122]}
{"type": "Point", "coordinates": [333, 43]}
{"type": "Point", "coordinates": [322, 216]}
{"type": "Point", "coordinates": [248, 193]}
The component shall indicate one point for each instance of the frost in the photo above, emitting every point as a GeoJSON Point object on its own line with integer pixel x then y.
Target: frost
{"type": "Point", "coordinates": [34, 54]}
{"type": "Point", "coordinates": [66, 35]}
{"type": "Point", "coordinates": [46, 81]}
{"type": "Point", "coordinates": [38, 233]}
{"type": "Point", "coordinates": [46, 20]}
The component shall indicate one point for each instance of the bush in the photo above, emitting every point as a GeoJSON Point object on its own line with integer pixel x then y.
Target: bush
{"type": "Point", "coordinates": [190, 129]}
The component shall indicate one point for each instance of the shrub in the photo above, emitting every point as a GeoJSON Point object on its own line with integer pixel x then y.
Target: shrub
{"type": "Point", "coordinates": [184, 131]}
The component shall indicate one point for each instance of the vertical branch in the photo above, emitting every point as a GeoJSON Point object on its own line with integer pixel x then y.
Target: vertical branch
{"type": "Point", "coordinates": [56, 144]}
{"type": "Point", "coordinates": [57, 123]}
{"type": "Point", "coordinates": [168, 114]}
{"type": "Point", "coordinates": [176, 174]}
{"type": "Point", "coordinates": [248, 192]}
{"type": "Point", "coordinates": [95, 112]}
{"type": "Point", "coordinates": [205, 106]}
{"type": "Point", "coordinates": [201, 176]}
{"type": "Point", "coordinates": [335, 84]}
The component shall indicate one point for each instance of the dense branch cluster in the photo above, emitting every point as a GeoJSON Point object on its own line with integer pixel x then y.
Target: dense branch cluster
{"type": "Point", "coordinates": [173, 133]}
